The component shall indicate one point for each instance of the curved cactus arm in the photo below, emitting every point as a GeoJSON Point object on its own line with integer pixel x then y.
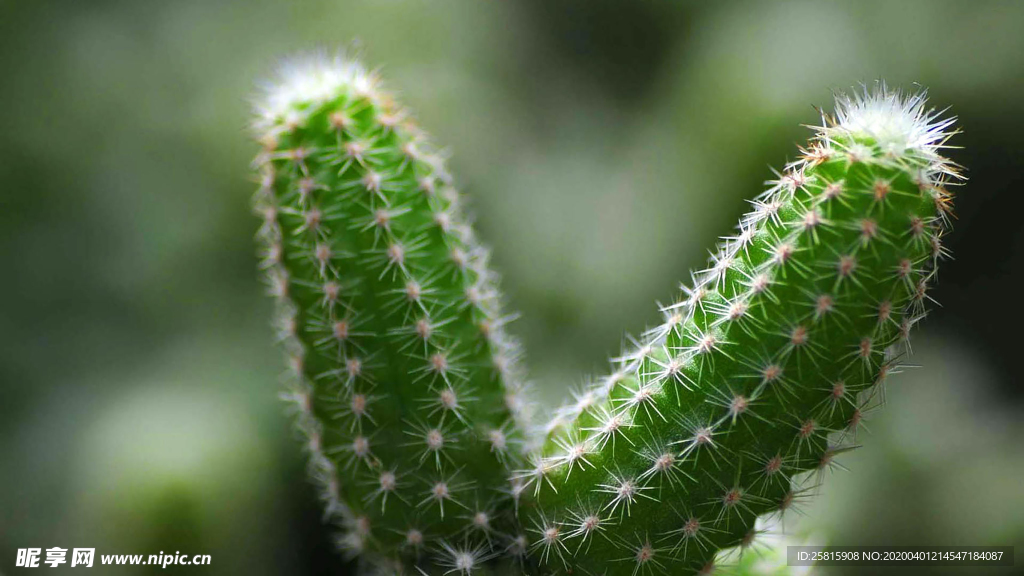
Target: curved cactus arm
{"type": "Point", "coordinates": [403, 379]}
{"type": "Point", "coordinates": [763, 370]}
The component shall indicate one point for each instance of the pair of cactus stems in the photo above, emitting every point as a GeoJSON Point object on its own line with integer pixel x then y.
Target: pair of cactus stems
{"type": "Point", "coordinates": [410, 392]}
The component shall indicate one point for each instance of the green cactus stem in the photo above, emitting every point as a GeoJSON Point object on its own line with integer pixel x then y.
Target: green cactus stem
{"type": "Point", "coordinates": [765, 367]}
{"type": "Point", "coordinates": [403, 379]}
{"type": "Point", "coordinates": [407, 387]}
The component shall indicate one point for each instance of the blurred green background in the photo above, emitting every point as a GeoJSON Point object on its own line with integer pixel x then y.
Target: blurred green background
{"type": "Point", "coordinates": [605, 146]}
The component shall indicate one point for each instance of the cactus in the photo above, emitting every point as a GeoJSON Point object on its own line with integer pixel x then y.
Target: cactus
{"type": "Point", "coordinates": [408, 389]}
{"type": "Point", "coordinates": [404, 381]}
{"type": "Point", "coordinates": [764, 369]}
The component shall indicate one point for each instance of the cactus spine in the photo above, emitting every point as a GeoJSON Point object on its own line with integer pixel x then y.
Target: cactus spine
{"type": "Point", "coordinates": [409, 394]}
{"type": "Point", "coordinates": [403, 378]}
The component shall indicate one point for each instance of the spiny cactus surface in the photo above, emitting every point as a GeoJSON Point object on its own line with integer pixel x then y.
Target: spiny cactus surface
{"type": "Point", "coordinates": [403, 379]}
{"type": "Point", "coordinates": [407, 387]}
{"type": "Point", "coordinates": [765, 367]}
